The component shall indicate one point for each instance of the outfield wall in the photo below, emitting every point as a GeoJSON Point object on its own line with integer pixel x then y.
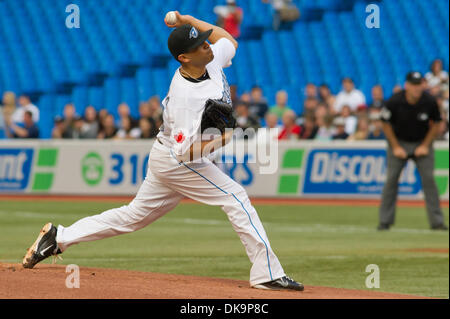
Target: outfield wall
{"type": "Point", "coordinates": [296, 168]}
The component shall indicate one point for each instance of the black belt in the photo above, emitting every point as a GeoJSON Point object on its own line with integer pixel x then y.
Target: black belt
{"type": "Point", "coordinates": [159, 141]}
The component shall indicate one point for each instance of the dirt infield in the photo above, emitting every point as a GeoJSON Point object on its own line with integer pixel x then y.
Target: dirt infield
{"type": "Point", "coordinates": [49, 281]}
{"type": "Point", "coordinates": [255, 200]}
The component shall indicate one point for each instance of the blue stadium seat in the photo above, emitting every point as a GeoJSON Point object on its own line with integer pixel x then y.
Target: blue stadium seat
{"type": "Point", "coordinates": [330, 41]}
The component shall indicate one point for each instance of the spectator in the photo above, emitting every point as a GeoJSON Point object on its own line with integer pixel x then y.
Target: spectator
{"type": "Point", "coordinates": [230, 17]}
{"type": "Point", "coordinates": [376, 127]}
{"type": "Point", "coordinates": [443, 128]}
{"type": "Point", "coordinates": [25, 105]}
{"type": "Point", "coordinates": [308, 128]}
{"type": "Point", "coordinates": [280, 107]}
{"type": "Point", "coordinates": [144, 110]}
{"type": "Point", "coordinates": [320, 112]}
{"type": "Point", "coordinates": [29, 130]}
{"type": "Point", "coordinates": [109, 130]}
{"type": "Point", "coordinates": [340, 133]}
{"type": "Point", "coordinates": [362, 111]}
{"type": "Point", "coordinates": [69, 121]}
{"type": "Point", "coordinates": [377, 97]}
{"type": "Point", "coordinates": [234, 94]}
{"type": "Point", "coordinates": [8, 104]}
{"type": "Point", "coordinates": [271, 130]}
{"type": "Point", "coordinates": [290, 131]}
{"type": "Point", "coordinates": [58, 127]}
{"type": "Point", "coordinates": [310, 105]}
{"type": "Point", "coordinates": [147, 128]}
{"type": "Point", "coordinates": [271, 120]}
{"type": "Point", "coordinates": [102, 114]}
{"type": "Point", "coordinates": [257, 104]}
{"type": "Point", "coordinates": [126, 130]}
{"type": "Point", "coordinates": [325, 130]}
{"type": "Point", "coordinates": [435, 91]}
{"type": "Point", "coordinates": [362, 130]}
{"type": "Point", "coordinates": [6, 110]}
{"type": "Point", "coordinates": [246, 98]}
{"type": "Point", "coordinates": [443, 103]}
{"type": "Point", "coordinates": [350, 120]}
{"type": "Point", "coordinates": [325, 96]}
{"type": "Point", "coordinates": [90, 126]}
{"type": "Point", "coordinates": [245, 120]}
{"type": "Point", "coordinates": [437, 76]}
{"type": "Point", "coordinates": [284, 11]}
{"type": "Point", "coordinates": [311, 91]}
{"type": "Point", "coordinates": [348, 96]}
{"type": "Point", "coordinates": [123, 110]}
{"type": "Point", "coordinates": [397, 88]}
{"type": "Point", "coordinates": [77, 127]}
{"type": "Point", "coordinates": [155, 110]}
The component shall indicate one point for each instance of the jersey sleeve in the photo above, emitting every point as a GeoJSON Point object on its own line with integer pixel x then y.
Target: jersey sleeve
{"type": "Point", "coordinates": [185, 123]}
{"type": "Point", "coordinates": [224, 51]}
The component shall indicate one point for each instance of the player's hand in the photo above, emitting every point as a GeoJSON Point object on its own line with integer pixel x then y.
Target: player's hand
{"type": "Point", "coordinates": [181, 20]}
{"type": "Point", "coordinates": [421, 150]}
{"type": "Point", "coordinates": [399, 152]}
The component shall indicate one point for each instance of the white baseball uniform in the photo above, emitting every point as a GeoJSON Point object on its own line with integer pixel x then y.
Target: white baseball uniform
{"type": "Point", "coordinates": [169, 179]}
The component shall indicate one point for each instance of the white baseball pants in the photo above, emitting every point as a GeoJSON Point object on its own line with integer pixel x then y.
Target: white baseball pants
{"type": "Point", "coordinates": [166, 183]}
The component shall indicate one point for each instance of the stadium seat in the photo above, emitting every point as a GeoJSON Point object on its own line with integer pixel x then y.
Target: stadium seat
{"type": "Point", "coordinates": [86, 66]}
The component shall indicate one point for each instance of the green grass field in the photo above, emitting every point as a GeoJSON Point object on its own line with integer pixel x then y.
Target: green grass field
{"type": "Point", "coordinates": [321, 246]}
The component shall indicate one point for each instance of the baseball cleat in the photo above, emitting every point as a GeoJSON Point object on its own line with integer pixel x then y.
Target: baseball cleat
{"type": "Point", "coordinates": [44, 247]}
{"type": "Point", "coordinates": [283, 283]}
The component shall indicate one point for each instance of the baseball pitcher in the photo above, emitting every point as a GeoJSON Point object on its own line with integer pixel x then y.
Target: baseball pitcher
{"type": "Point", "coordinates": [178, 165]}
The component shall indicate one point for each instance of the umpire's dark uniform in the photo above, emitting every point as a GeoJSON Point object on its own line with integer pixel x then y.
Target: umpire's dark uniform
{"type": "Point", "coordinates": [410, 124]}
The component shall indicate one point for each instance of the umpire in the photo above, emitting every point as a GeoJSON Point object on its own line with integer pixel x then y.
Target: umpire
{"type": "Point", "coordinates": [410, 122]}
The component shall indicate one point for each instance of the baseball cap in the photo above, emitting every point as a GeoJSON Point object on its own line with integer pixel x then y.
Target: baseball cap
{"type": "Point", "coordinates": [414, 77]}
{"type": "Point", "coordinates": [185, 38]}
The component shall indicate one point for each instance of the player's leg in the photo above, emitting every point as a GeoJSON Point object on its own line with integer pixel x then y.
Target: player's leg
{"type": "Point", "coordinates": [206, 183]}
{"type": "Point", "coordinates": [153, 200]}
{"type": "Point", "coordinates": [390, 190]}
{"type": "Point", "coordinates": [425, 166]}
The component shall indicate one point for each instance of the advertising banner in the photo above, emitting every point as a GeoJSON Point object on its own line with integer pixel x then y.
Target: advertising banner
{"type": "Point", "coordinates": [294, 169]}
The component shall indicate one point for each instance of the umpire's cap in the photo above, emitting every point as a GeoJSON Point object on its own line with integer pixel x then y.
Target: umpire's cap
{"type": "Point", "coordinates": [185, 38]}
{"type": "Point", "coordinates": [414, 77]}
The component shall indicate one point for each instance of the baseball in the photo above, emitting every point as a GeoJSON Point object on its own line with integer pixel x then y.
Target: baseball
{"type": "Point", "coordinates": [171, 17]}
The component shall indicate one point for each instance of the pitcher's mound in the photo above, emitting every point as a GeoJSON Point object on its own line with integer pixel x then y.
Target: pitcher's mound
{"type": "Point", "coordinates": [49, 281]}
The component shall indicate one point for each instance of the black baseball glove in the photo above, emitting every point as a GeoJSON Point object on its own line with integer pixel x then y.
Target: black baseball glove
{"type": "Point", "coordinates": [217, 114]}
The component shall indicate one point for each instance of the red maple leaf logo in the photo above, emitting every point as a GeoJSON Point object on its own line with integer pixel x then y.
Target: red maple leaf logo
{"type": "Point", "coordinates": [179, 137]}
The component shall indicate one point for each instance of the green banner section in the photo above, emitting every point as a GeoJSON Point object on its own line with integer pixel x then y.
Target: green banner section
{"type": "Point", "coordinates": [42, 181]}
{"type": "Point", "coordinates": [442, 183]}
{"type": "Point", "coordinates": [289, 184]}
{"type": "Point", "coordinates": [441, 159]}
{"type": "Point", "coordinates": [293, 158]}
{"type": "Point", "coordinates": [47, 157]}
{"type": "Point", "coordinates": [44, 169]}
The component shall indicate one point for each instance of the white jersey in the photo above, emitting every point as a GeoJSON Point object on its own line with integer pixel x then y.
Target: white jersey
{"type": "Point", "coordinates": [185, 102]}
